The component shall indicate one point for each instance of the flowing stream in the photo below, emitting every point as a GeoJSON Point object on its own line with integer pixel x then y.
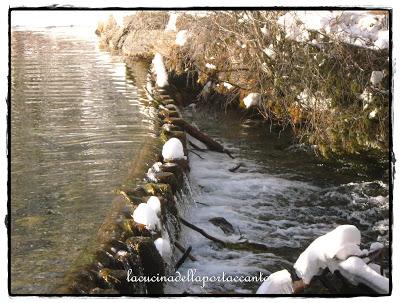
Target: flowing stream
{"type": "Point", "coordinates": [77, 123]}
{"type": "Point", "coordinates": [281, 196]}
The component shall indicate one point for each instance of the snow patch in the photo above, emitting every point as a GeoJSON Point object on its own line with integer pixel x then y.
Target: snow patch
{"type": "Point", "coordinates": [376, 77]}
{"type": "Point", "coordinates": [372, 114]}
{"type": "Point", "coordinates": [173, 150]}
{"type": "Point", "coordinates": [252, 99]}
{"type": "Point", "coordinates": [279, 282]}
{"type": "Point", "coordinates": [164, 247]}
{"type": "Point", "coordinates": [181, 37]}
{"type": "Point", "coordinates": [227, 85]}
{"type": "Point", "coordinates": [210, 66]}
{"type": "Point", "coordinates": [146, 215]}
{"type": "Point", "coordinates": [362, 29]}
{"type": "Point", "coordinates": [154, 203]}
{"type": "Point", "coordinates": [159, 70]}
{"type": "Point", "coordinates": [171, 25]}
{"type": "Point", "coordinates": [269, 51]}
{"type": "Point", "coordinates": [375, 246]}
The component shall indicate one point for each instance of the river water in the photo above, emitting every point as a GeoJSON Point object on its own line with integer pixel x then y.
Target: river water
{"type": "Point", "coordinates": [77, 122]}
{"type": "Point", "coordinates": [282, 196]}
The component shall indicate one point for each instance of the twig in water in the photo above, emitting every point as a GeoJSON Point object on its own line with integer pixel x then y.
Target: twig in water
{"type": "Point", "coordinates": [199, 230]}
{"type": "Point", "coordinates": [183, 258]}
{"type": "Point", "coordinates": [182, 249]}
{"type": "Point", "coordinates": [201, 203]}
{"type": "Point", "coordinates": [229, 154]}
{"type": "Point", "coordinates": [196, 146]}
{"type": "Point", "coordinates": [196, 154]}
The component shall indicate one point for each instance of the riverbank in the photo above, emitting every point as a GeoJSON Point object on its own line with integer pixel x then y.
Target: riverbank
{"type": "Point", "coordinates": [327, 81]}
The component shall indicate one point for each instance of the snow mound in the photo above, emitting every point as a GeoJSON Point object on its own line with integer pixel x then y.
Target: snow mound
{"type": "Point", "coordinates": [356, 271]}
{"type": "Point", "coordinates": [320, 254]}
{"type": "Point", "coordinates": [181, 37]}
{"type": "Point", "coordinates": [160, 71]}
{"type": "Point", "coordinates": [173, 150]}
{"type": "Point", "coordinates": [146, 215]}
{"type": "Point", "coordinates": [376, 77]}
{"type": "Point", "coordinates": [164, 247]}
{"type": "Point", "coordinates": [279, 282]}
{"type": "Point", "coordinates": [252, 99]}
{"type": "Point", "coordinates": [154, 203]}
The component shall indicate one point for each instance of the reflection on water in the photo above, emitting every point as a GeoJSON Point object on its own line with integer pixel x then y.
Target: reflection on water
{"type": "Point", "coordinates": [76, 123]}
{"type": "Point", "coordinates": [280, 197]}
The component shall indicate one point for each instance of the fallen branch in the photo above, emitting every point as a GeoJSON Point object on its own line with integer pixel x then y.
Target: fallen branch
{"type": "Point", "coordinates": [183, 258]}
{"type": "Point", "coordinates": [244, 245]}
{"type": "Point", "coordinates": [199, 230]}
{"type": "Point", "coordinates": [182, 250]}
{"type": "Point", "coordinates": [194, 132]}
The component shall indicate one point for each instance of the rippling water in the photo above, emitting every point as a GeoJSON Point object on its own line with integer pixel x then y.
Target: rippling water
{"type": "Point", "coordinates": [76, 125]}
{"type": "Point", "coordinates": [281, 197]}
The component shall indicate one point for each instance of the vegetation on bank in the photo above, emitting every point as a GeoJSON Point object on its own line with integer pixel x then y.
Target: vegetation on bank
{"type": "Point", "coordinates": [332, 91]}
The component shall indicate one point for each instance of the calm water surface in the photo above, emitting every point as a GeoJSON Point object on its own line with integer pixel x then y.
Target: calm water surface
{"type": "Point", "coordinates": [76, 125]}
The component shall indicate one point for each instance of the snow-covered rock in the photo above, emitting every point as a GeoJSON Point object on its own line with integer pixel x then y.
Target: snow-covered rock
{"type": "Point", "coordinates": [340, 243]}
{"type": "Point", "coordinates": [154, 203]}
{"type": "Point", "coordinates": [181, 37]}
{"type": "Point", "coordinates": [356, 271]}
{"type": "Point", "coordinates": [252, 99]}
{"type": "Point", "coordinates": [160, 71]}
{"type": "Point", "coordinates": [279, 282]}
{"type": "Point", "coordinates": [376, 77]}
{"type": "Point", "coordinates": [144, 214]}
{"type": "Point", "coordinates": [173, 150]}
{"type": "Point", "coordinates": [164, 247]}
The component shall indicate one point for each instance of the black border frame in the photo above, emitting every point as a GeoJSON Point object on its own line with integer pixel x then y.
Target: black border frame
{"type": "Point", "coordinates": [391, 154]}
